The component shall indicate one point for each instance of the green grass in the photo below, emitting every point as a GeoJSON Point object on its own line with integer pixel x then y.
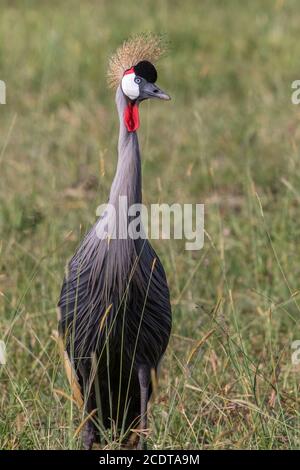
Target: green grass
{"type": "Point", "coordinates": [229, 139]}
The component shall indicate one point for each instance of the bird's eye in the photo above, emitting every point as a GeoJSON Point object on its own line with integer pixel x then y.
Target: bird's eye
{"type": "Point", "coordinates": [137, 80]}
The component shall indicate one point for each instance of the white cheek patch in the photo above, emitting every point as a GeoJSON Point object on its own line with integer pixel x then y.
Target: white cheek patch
{"type": "Point", "coordinates": [129, 87]}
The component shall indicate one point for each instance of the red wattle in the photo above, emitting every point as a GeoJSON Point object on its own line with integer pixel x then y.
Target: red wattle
{"type": "Point", "coordinates": [131, 117]}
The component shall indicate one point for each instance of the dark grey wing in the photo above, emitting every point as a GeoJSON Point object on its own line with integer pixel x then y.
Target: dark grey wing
{"type": "Point", "coordinates": [149, 311]}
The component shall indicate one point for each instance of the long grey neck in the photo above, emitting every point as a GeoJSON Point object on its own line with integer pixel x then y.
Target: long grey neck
{"type": "Point", "coordinates": [127, 180]}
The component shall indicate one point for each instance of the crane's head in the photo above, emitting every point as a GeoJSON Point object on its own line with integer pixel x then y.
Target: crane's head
{"type": "Point", "coordinates": [131, 68]}
{"type": "Point", "coordinates": [138, 82]}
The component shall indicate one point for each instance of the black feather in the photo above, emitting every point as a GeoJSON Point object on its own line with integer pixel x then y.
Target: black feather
{"type": "Point", "coordinates": [146, 70]}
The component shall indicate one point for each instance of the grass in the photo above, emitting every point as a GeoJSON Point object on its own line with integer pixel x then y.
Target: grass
{"type": "Point", "coordinates": [229, 139]}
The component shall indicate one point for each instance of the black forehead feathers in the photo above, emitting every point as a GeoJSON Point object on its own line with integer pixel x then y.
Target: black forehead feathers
{"type": "Point", "coordinates": [146, 70]}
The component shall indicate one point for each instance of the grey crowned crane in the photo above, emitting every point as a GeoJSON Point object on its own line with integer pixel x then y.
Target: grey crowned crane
{"type": "Point", "coordinates": [114, 307]}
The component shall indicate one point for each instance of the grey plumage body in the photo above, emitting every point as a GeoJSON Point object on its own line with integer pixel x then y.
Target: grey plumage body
{"type": "Point", "coordinates": [115, 304]}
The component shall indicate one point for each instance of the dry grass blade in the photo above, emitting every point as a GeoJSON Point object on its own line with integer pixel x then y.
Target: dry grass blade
{"type": "Point", "coordinates": [92, 413]}
{"type": "Point", "coordinates": [57, 391]}
{"type": "Point", "coordinates": [198, 345]}
{"type": "Point", "coordinates": [70, 372]}
{"type": "Point", "coordinates": [105, 316]}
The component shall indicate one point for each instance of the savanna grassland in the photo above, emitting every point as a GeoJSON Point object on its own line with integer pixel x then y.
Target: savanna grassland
{"type": "Point", "coordinates": [229, 138]}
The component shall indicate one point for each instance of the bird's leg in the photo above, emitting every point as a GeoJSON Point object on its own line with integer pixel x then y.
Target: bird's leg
{"type": "Point", "coordinates": [144, 381]}
{"type": "Point", "coordinates": [88, 435]}
{"type": "Point", "coordinates": [89, 432]}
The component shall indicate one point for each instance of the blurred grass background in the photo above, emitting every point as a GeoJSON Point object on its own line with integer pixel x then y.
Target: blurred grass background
{"type": "Point", "coordinates": [229, 139]}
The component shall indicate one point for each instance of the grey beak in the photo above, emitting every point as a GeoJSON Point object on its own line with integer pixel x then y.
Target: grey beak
{"type": "Point", "coordinates": [150, 90]}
